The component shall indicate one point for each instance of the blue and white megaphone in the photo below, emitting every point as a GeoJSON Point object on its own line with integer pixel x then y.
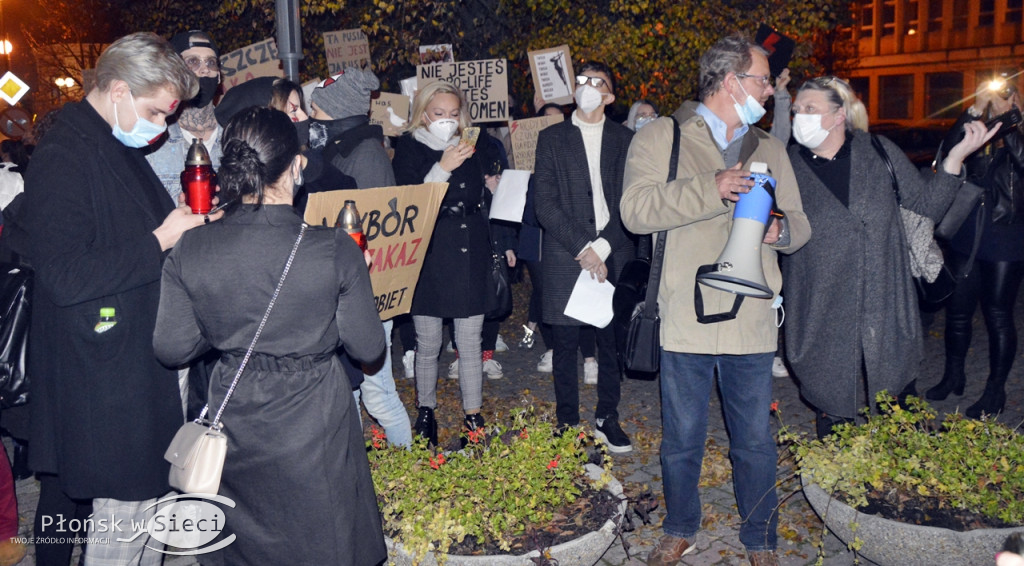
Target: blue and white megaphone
{"type": "Point", "coordinates": [738, 269]}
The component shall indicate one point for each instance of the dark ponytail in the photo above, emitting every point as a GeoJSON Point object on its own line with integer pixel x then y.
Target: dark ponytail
{"type": "Point", "coordinates": [259, 145]}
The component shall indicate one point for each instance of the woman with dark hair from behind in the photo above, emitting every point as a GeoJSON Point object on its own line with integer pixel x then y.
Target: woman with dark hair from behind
{"type": "Point", "coordinates": [296, 466]}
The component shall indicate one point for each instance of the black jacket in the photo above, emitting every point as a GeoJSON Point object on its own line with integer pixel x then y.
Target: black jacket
{"type": "Point", "coordinates": [453, 280]}
{"type": "Point", "coordinates": [104, 409]}
{"type": "Point", "coordinates": [565, 207]}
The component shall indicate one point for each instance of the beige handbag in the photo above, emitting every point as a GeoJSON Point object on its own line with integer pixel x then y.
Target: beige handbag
{"type": "Point", "coordinates": [199, 447]}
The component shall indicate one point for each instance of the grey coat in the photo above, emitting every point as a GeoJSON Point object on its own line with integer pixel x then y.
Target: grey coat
{"type": "Point", "coordinates": [565, 208]}
{"type": "Point", "coordinates": [851, 306]}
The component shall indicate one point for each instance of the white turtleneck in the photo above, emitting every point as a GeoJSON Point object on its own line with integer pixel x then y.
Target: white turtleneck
{"type": "Point", "coordinates": [592, 134]}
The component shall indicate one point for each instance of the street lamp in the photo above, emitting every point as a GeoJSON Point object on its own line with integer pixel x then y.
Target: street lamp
{"type": "Point", "coordinates": [5, 47]}
{"type": "Point", "coordinates": [65, 82]}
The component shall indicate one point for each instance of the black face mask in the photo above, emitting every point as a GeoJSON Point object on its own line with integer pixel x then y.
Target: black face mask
{"type": "Point", "coordinates": [302, 128]}
{"type": "Point", "coordinates": [207, 90]}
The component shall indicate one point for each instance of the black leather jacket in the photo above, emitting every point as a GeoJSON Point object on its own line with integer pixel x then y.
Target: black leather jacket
{"type": "Point", "coordinates": [998, 167]}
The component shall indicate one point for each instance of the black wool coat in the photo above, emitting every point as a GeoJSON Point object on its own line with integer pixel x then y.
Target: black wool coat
{"type": "Point", "coordinates": [454, 279]}
{"type": "Point", "coordinates": [564, 204]}
{"type": "Point", "coordinates": [103, 408]}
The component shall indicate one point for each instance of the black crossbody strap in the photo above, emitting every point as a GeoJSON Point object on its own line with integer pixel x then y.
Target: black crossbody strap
{"type": "Point", "coordinates": [654, 280]}
{"type": "Point", "coordinates": [888, 164]}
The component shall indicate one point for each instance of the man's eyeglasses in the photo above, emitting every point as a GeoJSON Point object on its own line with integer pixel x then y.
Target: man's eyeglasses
{"type": "Point", "coordinates": [595, 82]}
{"type": "Point", "coordinates": [765, 79]}
{"type": "Point", "coordinates": [196, 64]}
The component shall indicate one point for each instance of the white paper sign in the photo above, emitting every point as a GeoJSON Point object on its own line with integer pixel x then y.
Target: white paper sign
{"type": "Point", "coordinates": [591, 302]}
{"type": "Point", "coordinates": [510, 197]}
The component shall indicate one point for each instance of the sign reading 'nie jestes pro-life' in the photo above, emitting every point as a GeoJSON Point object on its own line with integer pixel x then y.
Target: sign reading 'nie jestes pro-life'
{"type": "Point", "coordinates": [484, 83]}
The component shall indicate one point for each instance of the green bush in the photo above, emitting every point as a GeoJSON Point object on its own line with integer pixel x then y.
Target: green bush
{"type": "Point", "coordinates": [961, 463]}
{"type": "Point", "coordinates": [504, 480]}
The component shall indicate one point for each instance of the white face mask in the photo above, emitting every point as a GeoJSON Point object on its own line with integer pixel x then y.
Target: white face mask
{"type": "Point", "coordinates": [750, 111]}
{"type": "Point", "coordinates": [444, 128]}
{"type": "Point", "coordinates": [807, 130]}
{"type": "Point", "coordinates": [588, 98]}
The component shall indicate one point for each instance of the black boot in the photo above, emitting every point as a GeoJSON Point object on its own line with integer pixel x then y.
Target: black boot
{"type": "Point", "coordinates": [19, 468]}
{"type": "Point", "coordinates": [953, 380]}
{"type": "Point", "coordinates": [474, 422]}
{"type": "Point", "coordinates": [992, 400]}
{"type": "Point", "coordinates": [426, 425]}
{"type": "Point", "coordinates": [825, 424]}
{"type": "Point", "coordinates": [909, 391]}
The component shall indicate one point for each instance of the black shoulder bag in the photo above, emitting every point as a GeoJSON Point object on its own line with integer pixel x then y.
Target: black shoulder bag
{"type": "Point", "coordinates": [643, 337]}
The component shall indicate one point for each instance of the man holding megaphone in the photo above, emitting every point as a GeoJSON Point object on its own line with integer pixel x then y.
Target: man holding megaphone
{"type": "Point", "coordinates": [717, 143]}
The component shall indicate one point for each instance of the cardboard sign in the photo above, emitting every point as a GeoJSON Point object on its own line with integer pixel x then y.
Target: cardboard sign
{"type": "Point", "coordinates": [346, 48]}
{"type": "Point", "coordinates": [398, 223]}
{"type": "Point", "coordinates": [524, 138]}
{"type": "Point", "coordinates": [484, 84]}
{"type": "Point", "coordinates": [441, 53]}
{"type": "Point", "coordinates": [552, 74]}
{"type": "Point", "coordinates": [391, 112]}
{"type": "Point", "coordinates": [256, 60]}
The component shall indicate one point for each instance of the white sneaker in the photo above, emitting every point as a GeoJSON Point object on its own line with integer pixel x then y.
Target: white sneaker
{"type": "Point", "coordinates": [545, 365]}
{"type": "Point", "coordinates": [779, 368]}
{"type": "Point", "coordinates": [453, 369]}
{"type": "Point", "coordinates": [590, 372]}
{"type": "Point", "coordinates": [409, 363]}
{"type": "Point", "coordinates": [492, 369]}
{"type": "Point", "coordinates": [449, 348]}
{"type": "Point", "coordinates": [500, 345]}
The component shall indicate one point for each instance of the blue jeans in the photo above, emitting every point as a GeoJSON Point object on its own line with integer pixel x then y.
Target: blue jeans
{"type": "Point", "coordinates": [746, 386]}
{"type": "Point", "coordinates": [382, 401]}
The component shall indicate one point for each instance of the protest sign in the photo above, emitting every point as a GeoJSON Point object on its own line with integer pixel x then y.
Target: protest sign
{"type": "Point", "coordinates": [249, 62]}
{"type": "Point", "coordinates": [397, 223]}
{"type": "Point", "coordinates": [346, 48]}
{"type": "Point", "coordinates": [779, 48]}
{"type": "Point", "coordinates": [441, 53]}
{"type": "Point", "coordinates": [391, 112]}
{"type": "Point", "coordinates": [484, 84]}
{"type": "Point", "coordinates": [524, 138]}
{"type": "Point", "coordinates": [509, 199]}
{"type": "Point", "coordinates": [552, 74]}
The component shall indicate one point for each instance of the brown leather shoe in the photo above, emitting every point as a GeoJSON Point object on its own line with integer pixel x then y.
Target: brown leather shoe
{"type": "Point", "coordinates": [669, 551]}
{"type": "Point", "coordinates": [763, 558]}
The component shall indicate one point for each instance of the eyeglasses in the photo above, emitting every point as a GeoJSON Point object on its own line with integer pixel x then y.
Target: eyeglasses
{"type": "Point", "coordinates": [196, 64]}
{"type": "Point", "coordinates": [595, 82]}
{"type": "Point", "coordinates": [765, 79]}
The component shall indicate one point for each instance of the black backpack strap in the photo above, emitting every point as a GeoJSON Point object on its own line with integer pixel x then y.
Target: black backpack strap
{"type": "Point", "coordinates": [654, 280]}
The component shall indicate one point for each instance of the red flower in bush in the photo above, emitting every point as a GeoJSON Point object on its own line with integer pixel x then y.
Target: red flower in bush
{"type": "Point", "coordinates": [554, 463]}
{"type": "Point", "coordinates": [775, 406]}
{"type": "Point", "coordinates": [436, 463]}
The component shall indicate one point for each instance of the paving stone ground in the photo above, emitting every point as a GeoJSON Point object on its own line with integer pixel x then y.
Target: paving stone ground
{"type": "Point", "coordinates": [718, 543]}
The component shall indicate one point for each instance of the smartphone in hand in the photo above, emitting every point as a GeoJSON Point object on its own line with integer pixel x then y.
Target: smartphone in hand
{"type": "Point", "coordinates": [470, 135]}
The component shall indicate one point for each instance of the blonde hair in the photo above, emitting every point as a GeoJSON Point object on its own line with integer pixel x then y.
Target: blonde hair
{"type": "Point", "coordinates": [148, 63]}
{"type": "Point", "coordinates": [426, 94]}
{"type": "Point", "coordinates": [841, 94]}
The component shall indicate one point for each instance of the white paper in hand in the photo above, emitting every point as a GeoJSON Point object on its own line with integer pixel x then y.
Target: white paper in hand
{"type": "Point", "coordinates": [510, 197]}
{"type": "Point", "coordinates": [591, 302]}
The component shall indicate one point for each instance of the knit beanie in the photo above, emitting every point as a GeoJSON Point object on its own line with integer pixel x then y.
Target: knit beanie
{"type": "Point", "coordinates": [193, 38]}
{"type": "Point", "coordinates": [346, 94]}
